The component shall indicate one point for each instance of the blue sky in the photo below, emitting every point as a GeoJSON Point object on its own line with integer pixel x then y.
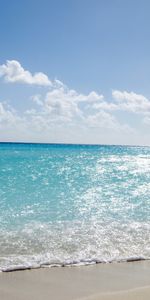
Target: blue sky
{"type": "Point", "coordinates": [93, 60]}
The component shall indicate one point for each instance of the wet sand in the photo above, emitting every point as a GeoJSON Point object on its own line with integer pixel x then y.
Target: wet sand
{"type": "Point", "coordinates": [104, 281]}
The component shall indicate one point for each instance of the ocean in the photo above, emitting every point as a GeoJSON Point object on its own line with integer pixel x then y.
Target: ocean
{"type": "Point", "coordinates": [66, 205]}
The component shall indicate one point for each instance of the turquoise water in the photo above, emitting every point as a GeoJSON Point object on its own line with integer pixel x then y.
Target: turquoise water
{"type": "Point", "coordinates": [73, 204]}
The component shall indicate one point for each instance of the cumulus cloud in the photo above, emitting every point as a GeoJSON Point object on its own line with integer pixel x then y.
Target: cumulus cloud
{"type": "Point", "coordinates": [60, 108]}
{"type": "Point", "coordinates": [92, 97]}
{"type": "Point", "coordinates": [146, 120]}
{"type": "Point", "coordinates": [66, 104]}
{"type": "Point", "coordinates": [63, 112]}
{"type": "Point", "coordinates": [13, 72]}
{"type": "Point", "coordinates": [131, 102]}
{"type": "Point", "coordinates": [37, 99]}
{"type": "Point", "coordinates": [102, 119]}
{"type": "Point", "coordinates": [6, 115]}
{"type": "Point", "coordinates": [59, 103]}
{"type": "Point", "coordinates": [59, 123]}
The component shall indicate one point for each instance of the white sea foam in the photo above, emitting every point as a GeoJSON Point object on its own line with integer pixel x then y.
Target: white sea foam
{"type": "Point", "coordinates": [74, 244]}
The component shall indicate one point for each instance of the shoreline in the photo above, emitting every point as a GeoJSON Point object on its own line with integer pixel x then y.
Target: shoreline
{"type": "Point", "coordinates": [82, 263]}
{"type": "Point", "coordinates": [93, 282]}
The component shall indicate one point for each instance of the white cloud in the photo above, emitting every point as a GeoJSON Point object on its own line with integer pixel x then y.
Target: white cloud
{"type": "Point", "coordinates": [37, 99]}
{"type": "Point", "coordinates": [13, 72]}
{"type": "Point", "coordinates": [6, 115]}
{"type": "Point", "coordinates": [131, 102]}
{"type": "Point", "coordinates": [102, 119]}
{"type": "Point", "coordinates": [65, 104]}
{"type": "Point", "coordinates": [57, 110]}
{"type": "Point", "coordinates": [93, 97]}
{"type": "Point", "coordinates": [64, 115]}
{"type": "Point", "coordinates": [146, 120]}
{"type": "Point", "coordinates": [61, 103]}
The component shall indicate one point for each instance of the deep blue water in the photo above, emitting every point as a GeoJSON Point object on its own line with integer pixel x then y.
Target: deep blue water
{"type": "Point", "coordinates": [62, 204]}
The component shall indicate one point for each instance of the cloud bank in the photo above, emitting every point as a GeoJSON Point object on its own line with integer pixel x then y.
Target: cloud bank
{"type": "Point", "coordinates": [61, 114]}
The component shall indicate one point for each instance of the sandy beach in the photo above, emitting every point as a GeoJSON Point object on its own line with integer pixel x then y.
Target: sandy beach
{"type": "Point", "coordinates": [103, 281]}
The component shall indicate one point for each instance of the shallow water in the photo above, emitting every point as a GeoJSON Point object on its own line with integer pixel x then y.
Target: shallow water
{"type": "Point", "coordinates": [73, 204]}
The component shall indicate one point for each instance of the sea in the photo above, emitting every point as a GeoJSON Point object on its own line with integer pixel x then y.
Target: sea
{"type": "Point", "coordinates": [70, 205]}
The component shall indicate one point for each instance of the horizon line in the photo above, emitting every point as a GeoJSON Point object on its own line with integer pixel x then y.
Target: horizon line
{"type": "Point", "coordinates": [71, 144]}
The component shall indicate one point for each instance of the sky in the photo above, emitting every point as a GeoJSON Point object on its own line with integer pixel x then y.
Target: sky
{"type": "Point", "coordinates": [75, 71]}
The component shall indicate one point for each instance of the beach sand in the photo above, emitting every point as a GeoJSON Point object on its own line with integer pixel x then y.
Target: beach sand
{"type": "Point", "coordinates": [104, 281]}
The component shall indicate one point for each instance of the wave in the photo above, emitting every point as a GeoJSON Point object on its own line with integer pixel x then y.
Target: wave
{"type": "Point", "coordinates": [72, 263]}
